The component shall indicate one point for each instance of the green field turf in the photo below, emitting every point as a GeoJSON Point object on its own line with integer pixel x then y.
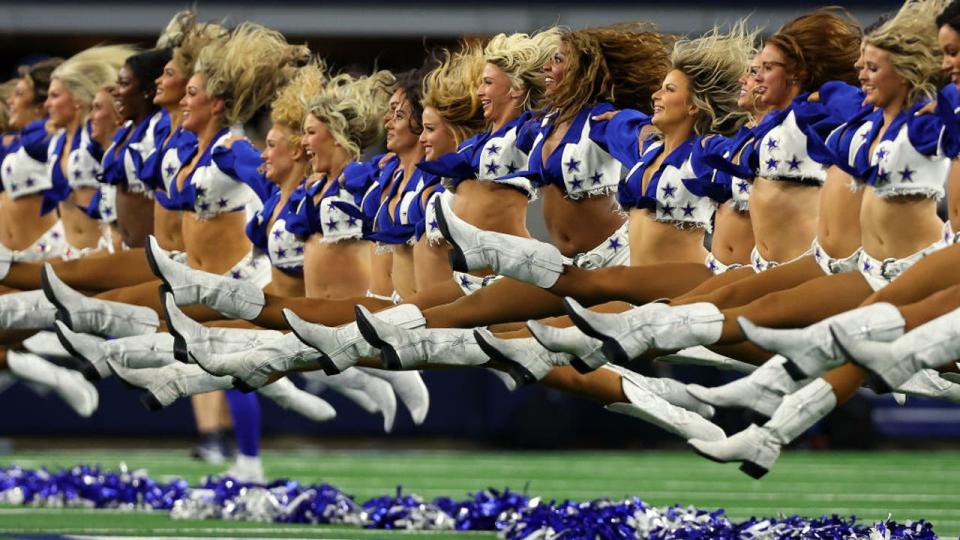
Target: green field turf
{"type": "Point", "coordinates": [908, 485]}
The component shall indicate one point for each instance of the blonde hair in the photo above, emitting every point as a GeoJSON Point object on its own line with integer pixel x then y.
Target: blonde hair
{"type": "Point", "coordinates": [88, 71]}
{"type": "Point", "coordinates": [195, 39]}
{"type": "Point", "coordinates": [713, 65]}
{"type": "Point", "coordinates": [353, 108]}
{"type": "Point", "coordinates": [623, 64]}
{"type": "Point", "coordinates": [522, 57]}
{"type": "Point", "coordinates": [290, 106]}
{"type": "Point", "coordinates": [248, 68]}
{"type": "Point", "coordinates": [450, 89]}
{"type": "Point", "coordinates": [910, 40]}
{"type": "Point", "coordinates": [6, 88]}
{"type": "Point", "coordinates": [176, 30]}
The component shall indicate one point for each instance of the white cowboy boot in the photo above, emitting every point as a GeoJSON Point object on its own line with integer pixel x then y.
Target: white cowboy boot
{"type": "Point", "coordinates": [702, 356]}
{"type": "Point", "coordinates": [930, 345]}
{"type": "Point", "coordinates": [761, 391]}
{"type": "Point", "coordinates": [527, 360]}
{"type": "Point", "coordinates": [929, 383]}
{"type": "Point", "coordinates": [416, 348]}
{"type": "Point", "coordinates": [95, 316]}
{"type": "Point", "coordinates": [28, 310]}
{"type": "Point", "coordinates": [254, 368]}
{"type": "Point", "coordinates": [164, 385]}
{"type": "Point", "coordinates": [409, 388]}
{"type": "Point", "coordinates": [344, 346]}
{"type": "Point", "coordinates": [523, 259]}
{"type": "Point", "coordinates": [286, 394]}
{"type": "Point", "coordinates": [758, 447]}
{"type": "Point", "coordinates": [70, 385]}
{"type": "Point", "coordinates": [234, 298]}
{"type": "Point", "coordinates": [370, 393]}
{"type": "Point", "coordinates": [673, 391]}
{"type": "Point", "coordinates": [189, 335]}
{"type": "Point", "coordinates": [629, 334]}
{"type": "Point", "coordinates": [649, 407]}
{"type": "Point", "coordinates": [586, 351]}
{"type": "Point", "coordinates": [812, 350]}
{"type": "Point", "coordinates": [134, 352]}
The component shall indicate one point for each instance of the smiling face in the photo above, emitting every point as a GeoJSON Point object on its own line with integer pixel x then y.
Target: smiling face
{"type": "Point", "coordinates": [319, 144]}
{"type": "Point", "coordinates": [881, 84]}
{"type": "Point", "coordinates": [400, 135]}
{"type": "Point", "coordinates": [197, 109]}
{"type": "Point", "coordinates": [131, 102]}
{"type": "Point", "coordinates": [171, 85]}
{"type": "Point", "coordinates": [496, 96]}
{"type": "Point", "coordinates": [22, 108]}
{"type": "Point", "coordinates": [436, 138]}
{"type": "Point", "coordinates": [748, 82]}
{"type": "Point", "coordinates": [949, 40]}
{"type": "Point", "coordinates": [672, 106]}
{"type": "Point", "coordinates": [103, 117]}
{"type": "Point", "coordinates": [280, 156]}
{"type": "Point", "coordinates": [60, 105]}
{"type": "Point", "coordinates": [774, 85]}
{"type": "Point", "coordinates": [556, 68]}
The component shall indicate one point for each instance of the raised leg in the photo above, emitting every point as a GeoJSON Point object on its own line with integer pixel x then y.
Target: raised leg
{"type": "Point", "coordinates": [753, 286]}
{"type": "Point", "coordinates": [506, 300]}
{"type": "Point", "coordinates": [634, 284]}
{"type": "Point", "coordinates": [100, 273]}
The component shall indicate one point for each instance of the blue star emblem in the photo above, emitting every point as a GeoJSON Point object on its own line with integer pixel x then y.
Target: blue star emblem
{"type": "Point", "coordinates": [107, 211]}
{"type": "Point", "coordinates": [30, 182]}
{"type": "Point", "coordinates": [93, 172]}
{"type": "Point", "coordinates": [572, 165]}
{"type": "Point", "coordinates": [201, 191]}
{"type": "Point", "coordinates": [576, 183]}
{"type": "Point", "coordinates": [204, 206]}
{"type": "Point", "coordinates": [351, 221]}
{"type": "Point", "coordinates": [772, 164]}
{"type": "Point", "coordinates": [867, 266]}
{"type": "Point", "coordinates": [882, 153]}
{"type": "Point", "coordinates": [8, 169]}
{"type": "Point", "coordinates": [13, 186]}
{"type": "Point", "coordinates": [332, 225]}
{"type": "Point", "coordinates": [794, 163]}
{"type": "Point", "coordinates": [222, 203]}
{"type": "Point", "coordinates": [817, 254]}
{"type": "Point", "coordinates": [75, 172]}
{"type": "Point", "coordinates": [492, 149]}
{"type": "Point", "coordinates": [772, 143]}
{"type": "Point", "coordinates": [298, 250]}
{"type": "Point", "coordinates": [906, 174]}
{"type": "Point", "coordinates": [712, 266]}
{"type": "Point", "coordinates": [235, 274]}
{"type": "Point", "coordinates": [615, 244]}
{"type": "Point", "coordinates": [688, 210]}
{"type": "Point", "coordinates": [884, 176]}
{"type": "Point", "coordinates": [42, 246]}
{"type": "Point", "coordinates": [596, 178]}
{"type": "Point", "coordinates": [277, 234]}
{"type": "Point", "coordinates": [743, 186]}
{"type": "Point", "coordinates": [865, 135]}
{"type": "Point", "coordinates": [669, 190]}
{"type": "Point", "coordinates": [75, 158]}
{"type": "Point", "coordinates": [493, 168]}
{"type": "Point", "coordinates": [511, 168]}
{"type": "Point", "coordinates": [434, 224]}
{"type": "Point", "coordinates": [170, 170]}
{"type": "Point", "coordinates": [667, 210]}
{"type": "Point", "coordinates": [281, 253]}
{"type": "Point", "coordinates": [55, 235]}
{"type": "Point", "coordinates": [464, 281]}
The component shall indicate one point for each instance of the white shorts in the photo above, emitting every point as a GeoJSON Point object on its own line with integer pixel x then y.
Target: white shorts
{"type": "Point", "coordinates": [52, 243]}
{"type": "Point", "coordinates": [832, 266]}
{"type": "Point", "coordinates": [760, 264]}
{"type": "Point", "coordinates": [394, 297]}
{"type": "Point", "coordinates": [254, 267]}
{"type": "Point", "coordinates": [879, 273]}
{"type": "Point", "coordinates": [716, 267]}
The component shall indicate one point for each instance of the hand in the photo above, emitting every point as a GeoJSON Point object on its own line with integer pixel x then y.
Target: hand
{"type": "Point", "coordinates": [604, 116]}
{"type": "Point", "coordinates": [926, 109]}
{"type": "Point", "coordinates": [814, 97]}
